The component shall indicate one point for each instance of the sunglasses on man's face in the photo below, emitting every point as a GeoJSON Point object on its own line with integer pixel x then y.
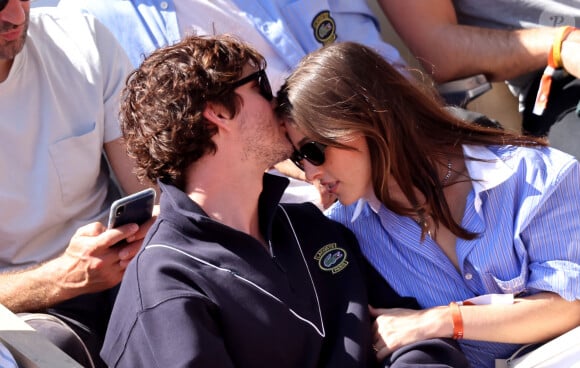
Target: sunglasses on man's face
{"type": "Point", "coordinates": [263, 83]}
{"type": "Point", "coordinates": [3, 3]}
{"type": "Point", "coordinates": [312, 151]}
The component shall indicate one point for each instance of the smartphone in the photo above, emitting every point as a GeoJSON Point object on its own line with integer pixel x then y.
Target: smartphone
{"type": "Point", "coordinates": [135, 208]}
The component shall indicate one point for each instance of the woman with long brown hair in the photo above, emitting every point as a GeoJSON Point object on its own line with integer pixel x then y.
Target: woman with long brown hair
{"type": "Point", "coordinates": [444, 209]}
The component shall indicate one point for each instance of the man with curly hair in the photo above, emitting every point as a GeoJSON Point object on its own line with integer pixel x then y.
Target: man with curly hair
{"type": "Point", "coordinates": [227, 276]}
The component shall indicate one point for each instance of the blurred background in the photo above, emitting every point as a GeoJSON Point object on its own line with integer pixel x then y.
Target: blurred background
{"type": "Point", "coordinates": [498, 103]}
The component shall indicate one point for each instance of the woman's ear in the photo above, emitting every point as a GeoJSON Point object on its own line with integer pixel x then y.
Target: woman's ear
{"type": "Point", "coordinates": [217, 114]}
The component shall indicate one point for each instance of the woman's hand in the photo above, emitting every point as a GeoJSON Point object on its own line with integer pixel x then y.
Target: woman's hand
{"type": "Point", "coordinates": [397, 327]}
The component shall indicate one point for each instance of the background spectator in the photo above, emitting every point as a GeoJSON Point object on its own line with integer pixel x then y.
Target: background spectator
{"type": "Point", "coordinates": [60, 77]}
{"type": "Point", "coordinates": [505, 40]}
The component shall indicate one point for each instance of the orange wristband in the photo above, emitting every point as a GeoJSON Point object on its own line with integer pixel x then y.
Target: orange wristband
{"type": "Point", "coordinates": [457, 321]}
{"type": "Point", "coordinates": [554, 62]}
{"type": "Point", "coordinates": [555, 56]}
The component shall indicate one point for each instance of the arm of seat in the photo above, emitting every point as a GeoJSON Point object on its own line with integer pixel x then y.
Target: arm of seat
{"type": "Point", "coordinates": [30, 349]}
{"type": "Point", "coordinates": [461, 91]}
{"type": "Point", "coordinates": [563, 351]}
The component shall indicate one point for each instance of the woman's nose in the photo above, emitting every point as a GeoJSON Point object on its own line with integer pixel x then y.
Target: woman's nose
{"type": "Point", "coordinates": [312, 172]}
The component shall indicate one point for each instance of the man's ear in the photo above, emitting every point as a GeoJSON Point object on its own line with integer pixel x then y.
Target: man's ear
{"type": "Point", "coordinates": [217, 114]}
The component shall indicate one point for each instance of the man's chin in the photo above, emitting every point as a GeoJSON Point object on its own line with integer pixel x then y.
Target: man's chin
{"type": "Point", "coordinates": [10, 50]}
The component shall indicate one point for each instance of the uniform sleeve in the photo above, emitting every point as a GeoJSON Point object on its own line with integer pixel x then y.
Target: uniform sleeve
{"type": "Point", "coordinates": [552, 238]}
{"type": "Point", "coordinates": [180, 332]}
{"type": "Point", "coordinates": [151, 26]}
{"type": "Point", "coordinates": [362, 26]}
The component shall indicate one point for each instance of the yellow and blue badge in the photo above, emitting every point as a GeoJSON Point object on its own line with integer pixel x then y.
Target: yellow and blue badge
{"type": "Point", "coordinates": [324, 27]}
{"type": "Point", "coordinates": [331, 258]}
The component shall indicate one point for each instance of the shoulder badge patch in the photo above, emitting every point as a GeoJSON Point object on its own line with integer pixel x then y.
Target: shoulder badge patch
{"type": "Point", "coordinates": [331, 258]}
{"type": "Point", "coordinates": [324, 27]}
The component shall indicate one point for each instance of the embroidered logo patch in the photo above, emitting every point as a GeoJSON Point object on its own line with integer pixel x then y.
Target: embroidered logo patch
{"type": "Point", "coordinates": [331, 258]}
{"type": "Point", "coordinates": [324, 27]}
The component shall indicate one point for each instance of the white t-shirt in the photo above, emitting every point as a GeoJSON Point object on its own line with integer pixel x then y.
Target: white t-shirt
{"type": "Point", "coordinates": [59, 106]}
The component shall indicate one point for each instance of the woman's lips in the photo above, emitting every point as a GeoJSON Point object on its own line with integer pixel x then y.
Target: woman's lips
{"type": "Point", "coordinates": [331, 187]}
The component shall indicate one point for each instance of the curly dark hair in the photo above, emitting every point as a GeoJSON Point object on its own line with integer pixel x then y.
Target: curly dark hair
{"type": "Point", "coordinates": [163, 100]}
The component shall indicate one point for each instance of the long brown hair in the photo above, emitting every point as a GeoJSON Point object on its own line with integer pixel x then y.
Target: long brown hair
{"type": "Point", "coordinates": [347, 89]}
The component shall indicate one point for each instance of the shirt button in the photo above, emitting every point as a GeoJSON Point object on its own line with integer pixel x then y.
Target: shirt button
{"type": "Point", "coordinates": [164, 5]}
{"type": "Point", "coordinates": [468, 276]}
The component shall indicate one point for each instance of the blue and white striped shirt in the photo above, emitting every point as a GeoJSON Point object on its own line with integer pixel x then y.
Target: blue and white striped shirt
{"type": "Point", "coordinates": [525, 204]}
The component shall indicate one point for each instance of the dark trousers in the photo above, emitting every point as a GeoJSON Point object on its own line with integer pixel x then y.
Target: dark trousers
{"type": "Point", "coordinates": [435, 353]}
{"type": "Point", "coordinates": [564, 98]}
{"type": "Point", "coordinates": [77, 326]}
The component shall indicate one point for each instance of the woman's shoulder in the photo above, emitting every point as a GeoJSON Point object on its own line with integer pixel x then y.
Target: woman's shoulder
{"type": "Point", "coordinates": [544, 167]}
{"type": "Point", "coordinates": [523, 159]}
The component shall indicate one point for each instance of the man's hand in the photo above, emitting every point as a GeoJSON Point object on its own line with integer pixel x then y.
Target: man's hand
{"type": "Point", "coordinates": [397, 327]}
{"type": "Point", "coordinates": [89, 264]}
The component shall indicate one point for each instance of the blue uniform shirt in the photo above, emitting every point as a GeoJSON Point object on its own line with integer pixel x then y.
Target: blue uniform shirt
{"type": "Point", "coordinates": [141, 26]}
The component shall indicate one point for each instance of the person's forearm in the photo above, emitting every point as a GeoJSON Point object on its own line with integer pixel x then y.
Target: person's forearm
{"type": "Point", "coordinates": [30, 290]}
{"type": "Point", "coordinates": [88, 265]}
{"type": "Point", "coordinates": [500, 55]}
{"type": "Point", "coordinates": [450, 51]}
{"type": "Point", "coordinates": [529, 320]}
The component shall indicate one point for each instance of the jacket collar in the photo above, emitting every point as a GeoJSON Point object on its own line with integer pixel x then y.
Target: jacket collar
{"type": "Point", "coordinates": [175, 204]}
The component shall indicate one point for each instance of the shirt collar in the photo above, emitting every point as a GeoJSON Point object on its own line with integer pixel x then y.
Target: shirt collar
{"type": "Point", "coordinates": [374, 204]}
{"type": "Point", "coordinates": [175, 204]}
{"type": "Point", "coordinates": [488, 171]}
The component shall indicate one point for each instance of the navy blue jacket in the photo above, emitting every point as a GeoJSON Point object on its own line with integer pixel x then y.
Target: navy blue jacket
{"type": "Point", "coordinates": [202, 294]}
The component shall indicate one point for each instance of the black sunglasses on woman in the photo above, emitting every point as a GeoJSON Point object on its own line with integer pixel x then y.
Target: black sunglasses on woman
{"type": "Point", "coordinates": [311, 151]}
